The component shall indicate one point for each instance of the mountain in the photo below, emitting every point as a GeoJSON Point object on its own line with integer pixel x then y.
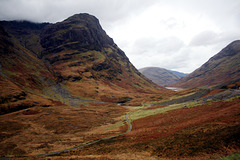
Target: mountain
{"type": "Point", "coordinates": [160, 76]}
{"type": "Point", "coordinates": [222, 67]}
{"type": "Point", "coordinates": [55, 77]}
{"type": "Point", "coordinates": [20, 70]}
{"type": "Point", "coordinates": [71, 59]}
{"type": "Point", "coordinates": [180, 74]}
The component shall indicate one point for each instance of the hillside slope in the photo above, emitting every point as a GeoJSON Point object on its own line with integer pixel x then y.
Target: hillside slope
{"type": "Point", "coordinates": [82, 54]}
{"type": "Point", "coordinates": [21, 74]}
{"type": "Point", "coordinates": [160, 76]}
{"type": "Point", "coordinates": [222, 67]}
{"type": "Point", "coordinates": [72, 58]}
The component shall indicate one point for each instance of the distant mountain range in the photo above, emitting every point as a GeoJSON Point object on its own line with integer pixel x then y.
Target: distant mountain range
{"type": "Point", "coordinates": [161, 76]}
{"type": "Point", "coordinates": [180, 74]}
{"type": "Point", "coordinates": [222, 67]}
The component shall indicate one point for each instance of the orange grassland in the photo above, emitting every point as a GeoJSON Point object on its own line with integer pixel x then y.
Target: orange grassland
{"type": "Point", "coordinates": [200, 132]}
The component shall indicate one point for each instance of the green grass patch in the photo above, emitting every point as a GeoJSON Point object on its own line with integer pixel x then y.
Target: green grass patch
{"type": "Point", "coordinates": [8, 73]}
{"type": "Point", "coordinates": [134, 115]}
{"type": "Point", "coordinates": [144, 113]}
{"type": "Point", "coordinates": [99, 55]}
{"type": "Point", "coordinates": [115, 125]}
{"type": "Point", "coordinates": [235, 156]}
{"type": "Point", "coordinates": [181, 96]}
{"type": "Point", "coordinates": [173, 98]}
{"type": "Point", "coordinates": [138, 112]}
{"type": "Point", "coordinates": [231, 99]}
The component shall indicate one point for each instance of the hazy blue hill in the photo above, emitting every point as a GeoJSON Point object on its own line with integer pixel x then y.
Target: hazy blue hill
{"type": "Point", "coordinates": [180, 74]}
{"type": "Point", "coordinates": [161, 76]}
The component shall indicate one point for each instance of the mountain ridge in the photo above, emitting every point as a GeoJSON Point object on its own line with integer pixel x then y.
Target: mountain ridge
{"type": "Point", "coordinates": [76, 53]}
{"type": "Point", "coordinates": [180, 74]}
{"type": "Point", "coordinates": [161, 76]}
{"type": "Point", "coordinates": [222, 67]}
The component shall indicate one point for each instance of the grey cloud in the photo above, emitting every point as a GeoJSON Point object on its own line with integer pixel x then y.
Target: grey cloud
{"type": "Point", "coordinates": [224, 13]}
{"type": "Point", "coordinates": [174, 61]}
{"type": "Point", "coordinates": [208, 38]}
{"type": "Point", "coordinates": [150, 45]}
{"type": "Point", "coordinates": [170, 45]}
{"type": "Point", "coordinates": [56, 10]}
{"type": "Point", "coordinates": [165, 52]}
{"type": "Point", "coordinates": [171, 23]}
{"type": "Point", "coordinates": [204, 38]}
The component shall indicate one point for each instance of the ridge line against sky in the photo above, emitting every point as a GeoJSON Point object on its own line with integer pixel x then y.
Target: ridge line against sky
{"type": "Point", "coordinates": [171, 34]}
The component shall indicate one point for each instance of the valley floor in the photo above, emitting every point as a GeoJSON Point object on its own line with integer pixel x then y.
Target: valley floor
{"type": "Point", "coordinates": [205, 128]}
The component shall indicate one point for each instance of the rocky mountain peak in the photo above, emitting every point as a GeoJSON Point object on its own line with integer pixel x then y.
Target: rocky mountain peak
{"type": "Point", "coordinates": [79, 31]}
{"type": "Point", "coordinates": [82, 17]}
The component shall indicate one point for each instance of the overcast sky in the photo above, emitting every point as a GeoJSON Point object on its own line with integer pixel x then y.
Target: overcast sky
{"type": "Point", "coordinates": [173, 34]}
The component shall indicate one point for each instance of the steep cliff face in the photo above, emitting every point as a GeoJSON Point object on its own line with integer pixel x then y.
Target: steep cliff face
{"type": "Point", "coordinates": [21, 72]}
{"type": "Point", "coordinates": [76, 54]}
{"type": "Point", "coordinates": [81, 31]}
{"type": "Point", "coordinates": [19, 64]}
{"type": "Point", "coordinates": [222, 67]}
